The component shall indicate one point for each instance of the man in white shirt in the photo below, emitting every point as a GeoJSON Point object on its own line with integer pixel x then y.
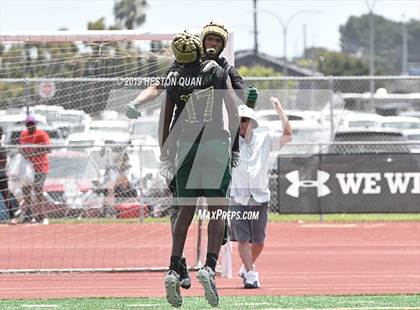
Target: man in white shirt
{"type": "Point", "coordinates": [250, 190]}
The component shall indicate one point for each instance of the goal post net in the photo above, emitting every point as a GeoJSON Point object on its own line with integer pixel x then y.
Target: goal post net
{"type": "Point", "coordinates": [73, 82]}
{"type": "Point", "coordinates": [83, 69]}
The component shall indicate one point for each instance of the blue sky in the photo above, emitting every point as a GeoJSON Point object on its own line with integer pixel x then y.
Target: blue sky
{"type": "Point", "coordinates": [175, 15]}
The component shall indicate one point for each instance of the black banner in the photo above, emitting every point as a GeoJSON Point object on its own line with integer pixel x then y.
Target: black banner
{"type": "Point", "coordinates": [357, 183]}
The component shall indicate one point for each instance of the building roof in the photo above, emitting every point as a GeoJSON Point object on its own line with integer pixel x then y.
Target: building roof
{"type": "Point", "coordinates": [249, 59]}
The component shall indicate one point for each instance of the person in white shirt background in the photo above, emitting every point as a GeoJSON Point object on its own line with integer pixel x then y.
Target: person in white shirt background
{"type": "Point", "coordinates": [250, 191]}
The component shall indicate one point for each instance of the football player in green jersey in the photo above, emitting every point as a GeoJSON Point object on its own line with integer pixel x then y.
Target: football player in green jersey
{"type": "Point", "coordinates": [203, 153]}
{"type": "Point", "coordinates": [214, 37]}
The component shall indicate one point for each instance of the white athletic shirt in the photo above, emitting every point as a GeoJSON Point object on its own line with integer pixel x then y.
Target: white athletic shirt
{"type": "Point", "coordinates": [251, 176]}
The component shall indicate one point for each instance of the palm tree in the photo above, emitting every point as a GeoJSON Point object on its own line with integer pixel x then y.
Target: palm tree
{"type": "Point", "coordinates": [130, 13]}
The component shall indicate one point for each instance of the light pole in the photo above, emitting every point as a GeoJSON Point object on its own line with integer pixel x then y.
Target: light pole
{"type": "Point", "coordinates": [285, 26]}
{"type": "Point", "coordinates": [255, 29]}
{"type": "Point", "coordinates": [371, 48]}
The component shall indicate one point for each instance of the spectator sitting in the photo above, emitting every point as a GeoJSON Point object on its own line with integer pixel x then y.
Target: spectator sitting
{"type": "Point", "coordinates": [118, 178]}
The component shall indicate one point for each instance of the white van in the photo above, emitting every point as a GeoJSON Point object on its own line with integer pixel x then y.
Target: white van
{"type": "Point", "coordinates": [73, 120]}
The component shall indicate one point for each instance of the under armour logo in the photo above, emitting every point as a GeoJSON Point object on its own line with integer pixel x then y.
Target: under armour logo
{"type": "Point", "coordinates": [319, 183]}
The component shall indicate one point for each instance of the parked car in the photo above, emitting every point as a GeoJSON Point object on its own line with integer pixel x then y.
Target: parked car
{"type": "Point", "coordinates": [351, 119]}
{"type": "Point", "coordinates": [69, 179]}
{"type": "Point", "coordinates": [9, 121]}
{"type": "Point", "coordinates": [370, 136]}
{"type": "Point", "coordinates": [413, 135]}
{"type": "Point", "coordinates": [293, 115]}
{"type": "Point", "coordinates": [144, 127]}
{"type": "Point", "coordinates": [411, 114]}
{"type": "Point", "coordinates": [108, 126]}
{"type": "Point", "coordinates": [153, 188]}
{"type": "Point", "coordinates": [110, 115]}
{"type": "Point", "coordinates": [96, 141]}
{"type": "Point", "coordinates": [76, 183]}
{"type": "Point", "coordinates": [115, 138]}
{"type": "Point", "coordinates": [307, 129]}
{"type": "Point", "coordinates": [83, 142]}
{"type": "Point", "coordinates": [400, 122]}
{"type": "Point", "coordinates": [51, 112]}
{"type": "Point", "coordinates": [73, 120]}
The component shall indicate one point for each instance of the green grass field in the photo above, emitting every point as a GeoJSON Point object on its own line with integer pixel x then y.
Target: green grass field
{"type": "Point", "coordinates": [387, 302]}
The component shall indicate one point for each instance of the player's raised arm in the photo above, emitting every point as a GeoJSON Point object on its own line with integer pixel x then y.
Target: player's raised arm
{"type": "Point", "coordinates": [286, 128]}
{"type": "Point", "coordinates": [165, 119]}
{"type": "Point", "coordinates": [232, 109]}
{"type": "Point", "coordinates": [148, 94]}
{"type": "Point", "coordinates": [145, 96]}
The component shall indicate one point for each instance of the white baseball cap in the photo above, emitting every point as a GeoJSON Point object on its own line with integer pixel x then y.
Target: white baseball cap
{"type": "Point", "coordinates": [245, 111]}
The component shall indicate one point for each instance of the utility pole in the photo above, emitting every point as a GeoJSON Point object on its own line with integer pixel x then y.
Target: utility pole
{"type": "Point", "coordinates": [255, 29]}
{"type": "Point", "coordinates": [304, 40]}
{"type": "Point", "coordinates": [404, 47]}
{"type": "Point", "coordinates": [371, 48]}
{"type": "Point", "coordinates": [371, 45]}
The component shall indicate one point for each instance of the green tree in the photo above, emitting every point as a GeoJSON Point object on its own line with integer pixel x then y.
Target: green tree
{"type": "Point", "coordinates": [100, 24]}
{"type": "Point", "coordinates": [334, 63]}
{"type": "Point", "coordinates": [261, 71]}
{"type": "Point", "coordinates": [258, 71]}
{"type": "Point", "coordinates": [267, 87]}
{"type": "Point", "coordinates": [413, 40]}
{"type": "Point", "coordinates": [130, 13]}
{"type": "Point", "coordinates": [12, 66]}
{"type": "Point", "coordinates": [388, 41]}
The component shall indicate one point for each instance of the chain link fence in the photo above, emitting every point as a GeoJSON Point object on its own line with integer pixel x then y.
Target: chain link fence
{"type": "Point", "coordinates": [392, 94]}
{"type": "Point", "coordinates": [108, 181]}
{"type": "Point", "coordinates": [329, 115]}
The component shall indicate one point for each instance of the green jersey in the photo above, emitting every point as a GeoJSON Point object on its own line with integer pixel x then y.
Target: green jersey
{"type": "Point", "coordinates": [196, 90]}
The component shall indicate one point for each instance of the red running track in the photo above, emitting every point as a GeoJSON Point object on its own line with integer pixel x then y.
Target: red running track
{"type": "Point", "coordinates": [299, 259]}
